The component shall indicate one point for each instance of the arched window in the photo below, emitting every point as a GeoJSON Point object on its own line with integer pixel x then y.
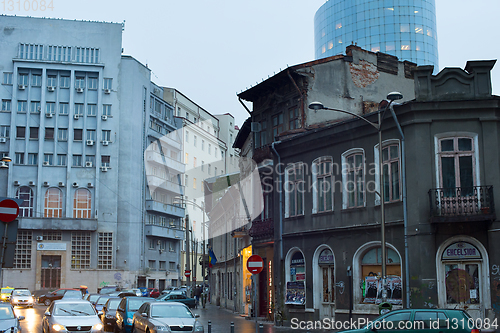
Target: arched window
{"type": "Point", "coordinates": [25, 193]}
{"type": "Point", "coordinates": [53, 203]}
{"type": "Point", "coordinates": [82, 204]}
{"type": "Point", "coordinates": [353, 178]}
{"type": "Point", "coordinates": [296, 277]}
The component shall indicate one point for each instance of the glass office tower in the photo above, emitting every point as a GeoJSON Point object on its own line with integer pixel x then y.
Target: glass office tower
{"type": "Point", "coordinates": [404, 28]}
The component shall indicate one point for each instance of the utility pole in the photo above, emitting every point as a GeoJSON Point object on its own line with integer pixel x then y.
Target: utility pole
{"type": "Point", "coordinates": [188, 265]}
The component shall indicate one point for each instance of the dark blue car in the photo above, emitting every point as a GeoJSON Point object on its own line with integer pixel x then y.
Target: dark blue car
{"type": "Point", "coordinates": [125, 312]}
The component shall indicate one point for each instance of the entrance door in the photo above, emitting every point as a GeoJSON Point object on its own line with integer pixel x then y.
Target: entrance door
{"type": "Point", "coordinates": [327, 309]}
{"type": "Point", "coordinates": [463, 283]}
{"type": "Point", "coordinates": [51, 272]}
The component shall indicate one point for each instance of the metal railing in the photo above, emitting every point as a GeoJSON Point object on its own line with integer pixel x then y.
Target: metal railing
{"type": "Point", "coordinates": [462, 201]}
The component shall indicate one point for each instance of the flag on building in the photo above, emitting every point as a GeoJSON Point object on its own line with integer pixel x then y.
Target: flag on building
{"type": "Point", "coordinates": [213, 259]}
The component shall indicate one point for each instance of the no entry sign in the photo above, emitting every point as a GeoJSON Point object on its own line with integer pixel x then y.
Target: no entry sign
{"type": "Point", "coordinates": [255, 264]}
{"type": "Point", "coordinates": [9, 210]}
{"type": "Point", "coordinates": [187, 273]}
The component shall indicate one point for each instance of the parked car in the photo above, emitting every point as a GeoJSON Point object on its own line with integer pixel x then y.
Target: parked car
{"type": "Point", "coordinates": [144, 291]}
{"type": "Point", "coordinates": [22, 297]}
{"type": "Point", "coordinates": [108, 316]}
{"type": "Point", "coordinates": [420, 320]}
{"type": "Point", "coordinates": [5, 293]}
{"type": "Point", "coordinates": [108, 290]}
{"type": "Point", "coordinates": [54, 295]}
{"type": "Point", "coordinates": [153, 292]}
{"type": "Point", "coordinates": [101, 301]}
{"type": "Point", "coordinates": [154, 317]}
{"type": "Point", "coordinates": [74, 294]}
{"type": "Point", "coordinates": [9, 322]}
{"type": "Point", "coordinates": [71, 315]}
{"type": "Point", "coordinates": [125, 311]}
{"type": "Point", "coordinates": [92, 298]}
{"type": "Point", "coordinates": [176, 296]}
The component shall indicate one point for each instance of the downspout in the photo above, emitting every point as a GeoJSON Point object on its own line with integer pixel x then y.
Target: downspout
{"type": "Point", "coordinates": [405, 207]}
{"type": "Point", "coordinates": [278, 272]}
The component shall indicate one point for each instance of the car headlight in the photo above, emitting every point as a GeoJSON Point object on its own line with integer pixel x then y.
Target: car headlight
{"type": "Point", "coordinates": [198, 327]}
{"type": "Point", "coordinates": [97, 327]}
{"type": "Point", "coordinates": [162, 328]}
{"type": "Point", "coordinates": [130, 321]}
{"type": "Point", "coordinates": [14, 300]}
{"type": "Point", "coordinates": [108, 316]}
{"type": "Point", "coordinates": [57, 327]}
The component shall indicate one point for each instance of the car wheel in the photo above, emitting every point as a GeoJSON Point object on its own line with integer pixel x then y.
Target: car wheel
{"type": "Point", "coordinates": [47, 302]}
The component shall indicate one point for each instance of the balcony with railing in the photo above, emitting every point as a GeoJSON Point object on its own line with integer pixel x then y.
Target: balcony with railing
{"type": "Point", "coordinates": [462, 204]}
{"type": "Point", "coordinates": [163, 208]}
{"type": "Point", "coordinates": [262, 230]}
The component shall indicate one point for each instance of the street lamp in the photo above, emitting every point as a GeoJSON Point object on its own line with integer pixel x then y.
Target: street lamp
{"type": "Point", "coordinates": [378, 126]}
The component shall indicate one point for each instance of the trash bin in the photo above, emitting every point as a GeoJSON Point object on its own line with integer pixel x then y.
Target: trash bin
{"type": "Point", "coordinates": [384, 307]}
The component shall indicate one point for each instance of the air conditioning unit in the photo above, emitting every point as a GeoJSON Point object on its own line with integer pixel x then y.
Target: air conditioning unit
{"type": "Point", "coordinates": [88, 164]}
{"type": "Point", "coordinates": [3, 140]}
{"type": "Point", "coordinates": [159, 242]}
{"type": "Point", "coordinates": [61, 184]}
{"type": "Point", "coordinates": [79, 90]}
{"type": "Point", "coordinates": [90, 143]}
{"type": "Point", "coordinates": [39, 238]}
{"type": "Point", "coordinates": [22, 87]}
{"type": "Point", "coordinates": [90, 185]}
{"type": "Point", "coordinates": [51, 88]}
{"type": "Point", "coordinates": [38, 108]}
{"type": "Point", "coordinates": [76, 116]}
{"type": "Point", "coordinates": [107, 91]}
{"type": "Point", "coordinates": [45, 163]}
{"type": "Point", "coordinates": [75, 184]}
{"type": "Point", "coordinates": [31, 183]}
{"type": "Point", "coordinates": [48, 115]}
{"type": "Point", "coordinates": [104, 117]}
{"type": "Point", "coordinates": [16, 183]}
{"type": "Point", "coordinates": [172, 223]}
{"type": "Point", "coordinates": [105, 143]}
{"type": "Point", "coordinates": [104, 168]}
{"type": "Point", "coordinates": [46, 184]}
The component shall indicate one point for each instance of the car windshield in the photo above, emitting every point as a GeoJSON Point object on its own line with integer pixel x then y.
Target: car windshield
{"type": "Point", "coordinates": [135, 304]}
{"type": "Point", "coordinates": [170, 311]}
{"type": "Point", "coordinates": [73, 309]}
{"type": "Point", "coordinates": [113, 303]}
{"type": "Point", "coordinates": [72, 294]}
{"type": "Point", "coordinates": [93, 298]}
{"type": "Point", "coordinates": [6, 313]}
{"type": "Point", "coordinates": [21, 293]}
{"type": "Point", "coordinates": [107, 290]}
{"type": "Point", "coordinates": [6, 291]}
{"type": "Point", "coordinates": [102, 300]}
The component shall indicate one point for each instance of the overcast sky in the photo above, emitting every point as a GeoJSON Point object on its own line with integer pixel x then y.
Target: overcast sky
{"type": "Point", "coordinates": [211, 50]}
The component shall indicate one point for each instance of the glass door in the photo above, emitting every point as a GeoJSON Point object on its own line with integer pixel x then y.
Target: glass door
{"type": "Point", "coordinates": [51, 272]}
{"type": "Point", "coordinates": [463, 286]}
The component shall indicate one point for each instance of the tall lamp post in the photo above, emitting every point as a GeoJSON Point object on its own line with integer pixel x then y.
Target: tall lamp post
{"type": "Point", "coordinates": [378, 126]}
{"type": "Point", "coordinates": [3, 165]}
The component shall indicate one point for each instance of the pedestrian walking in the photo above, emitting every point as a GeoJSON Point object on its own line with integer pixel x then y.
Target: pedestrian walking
{"type": "Point", "coordinates": [197, 294]}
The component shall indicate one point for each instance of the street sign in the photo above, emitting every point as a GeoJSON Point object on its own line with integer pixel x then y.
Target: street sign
{"type": "Point", "coordinates": [9, 210]}
{"type": "Point", "coordinates": [187, 273]}
{"type": "Point", "coordinates": [255, 264]}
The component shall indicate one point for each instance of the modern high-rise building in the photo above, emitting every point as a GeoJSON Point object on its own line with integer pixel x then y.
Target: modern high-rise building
{"type": "Point", "coordinates": [403, 28]}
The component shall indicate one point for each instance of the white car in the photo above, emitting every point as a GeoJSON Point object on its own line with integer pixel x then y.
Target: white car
{"type": "Point", "coordinates": [71, 315]}
{"type": "Point", "coordinates": [162, 317]}
{"type": "Point", "coordinates": [22, 297]}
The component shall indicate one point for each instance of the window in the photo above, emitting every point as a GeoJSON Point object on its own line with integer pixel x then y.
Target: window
{"type": "Point", "coordinates": [59, 53]}
{"type": "Point", "coordinates": [52, 235]}
{"type": "Point", "coordinates": [202, 165]}
{"type": "Point", "coordinates": [353, 177]}
{"type": "Point", "coordinates": [23, 79]}
{"type": "Point", "coordinates": [194, 140]}
{"type": "Point", "coordinates": [49, 133]}
{"type": "Point", "coordinates": [22, 256]}
{"type": "Point", "coordinates": [91, 109]}
{"type": "Point", "coordinates": [79, 109]}
{"type": "Point", "coordinates": [80, 82]}
{"type": "Point", "coordinates": [186, 158]}
{"type": "Point", "coordinates": [456, 159]}
{"type": "Point", "coordinates": [215, 152]}
{"type": "Point", "coordinates": [91, 134]}
{"type": "Point", "coordinates": [277, 124]}
{"type": "Point", "coordinates": [92, 83]}
{"type": "Point", "coordinates": [25, 193]}
{"type": "Point", "coordinates": [106, 135]}
{"type": "Point", "coordinates": [90, 159]}
{"type": "Point", "coordinates": [7, 78]}
{"type": "Point", "coordinates": [80, 250]}
{"type": "Point", "coordinates": [152, 265]}
{"type": "Point", "coordinates": [20, 132]}
{"type": "Point", "coordinates": [82, 203]}
{"type": "Point", "coordinates": [260, 137]}
{"type": "Point", "coordinates": [186, 180]}
{"type": "Point", "coordinates": [105, 251]}
{"type": "Point", "coordinates": [187, 136]}
{"type": "Point", "coordinates": [50, 107]}
{"type": "Point", "coordinates": [64, 81]}
{"type": "Point", "coordinates": [77, 134]}
{"type": "Point", "coordinates": [151, 244]}
{"type": "Point", "coordinates": [108, 83]}
{"type": "Point", "coordinates": [32, 158]}
{"type": "Point", "coordinates": [391, 174]}
{"type": "Point", "coordinates": [48, 159]}
{"type": "Point", "coordinates": [4, 131]}
{"type": "Point", "coordinates": [62, 134]}
{"type": "Point", "coordinates": [63, 108]}
{"type": "Point", "coordinates": [203, 145]}
{"type": "Point", "coordinates": [35, 107]}
{"type": "Point", "coordinates": [61, 160]}
{"type": "Point", "coordinates": [106, 161]}
{"type": "Point", "coordinates": [36, 80]}
{"type": "Point", "coordinates": [34, 133]}
{"type": "Point", "coordinates": [19, 158]}
{"type": "Point", "coordinates": [6, 105]}
{"type": "Point", "coordinates": [194, 183]}
{"type": "Point", "coordinates": [209, 148]}
{"type": "Point", "coordinates": [323, 184]}
{"type": "Point", "coordinates": [106, 109]}
{"type": "Point", "coordinates": [295, 186]}
{"type": "Point", "coordinates": [22, 106]}
{"type": "Point", "coordinates": [194, 162]}
{"type": "Point", "coordinates": [163, 266]}
{"type": "Point", "coordinates": [51, 81]}
{"type": "Point", "coordinates": [77, 160]}
{"type": "Point", "coordinates": [53, 203]}
{"type": "Point", "coordinates": [209, 169]}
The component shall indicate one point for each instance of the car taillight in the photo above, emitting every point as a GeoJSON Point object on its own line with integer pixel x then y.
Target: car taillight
{"type": "Point", "coordinates": [475, 330]}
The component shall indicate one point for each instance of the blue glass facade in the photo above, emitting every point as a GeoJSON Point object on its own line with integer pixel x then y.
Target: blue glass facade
{"type": "Point", "coordinates": [404, 28]}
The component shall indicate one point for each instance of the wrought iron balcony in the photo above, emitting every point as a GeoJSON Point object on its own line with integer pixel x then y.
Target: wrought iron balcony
{"type": "Point", "coordinates": [262, 230]}
{"type": "Point", "coordinates": [462, 204]}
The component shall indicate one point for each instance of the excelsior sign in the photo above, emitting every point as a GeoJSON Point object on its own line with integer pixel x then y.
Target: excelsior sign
{"type": "Point", "coordinates": [460, 251]}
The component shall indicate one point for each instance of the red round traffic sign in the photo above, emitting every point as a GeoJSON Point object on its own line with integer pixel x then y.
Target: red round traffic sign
{"type": "Point", "coordinates": [187, 273]}
{"type": "Point", "coordinates": [9, 210]}
{"type": "Point", "coordinates": [255, 264]}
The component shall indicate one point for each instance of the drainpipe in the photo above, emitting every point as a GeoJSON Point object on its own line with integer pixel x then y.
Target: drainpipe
{"type": "Point", "coordinates": [405, 206]}
{"type": "Point", "coordinates": [280, 232]}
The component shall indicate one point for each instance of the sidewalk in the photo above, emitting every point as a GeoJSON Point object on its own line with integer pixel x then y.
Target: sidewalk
{"type": "Point", "coordinates": [221, 322]}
